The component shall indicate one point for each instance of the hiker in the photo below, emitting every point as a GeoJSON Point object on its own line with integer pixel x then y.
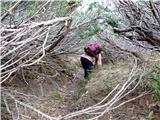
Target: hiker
{"type": "Point", "coordinates": [91, 58]}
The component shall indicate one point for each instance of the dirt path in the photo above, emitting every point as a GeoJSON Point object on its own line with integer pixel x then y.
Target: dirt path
{"type": "Point", "coordinates": [62, 101]}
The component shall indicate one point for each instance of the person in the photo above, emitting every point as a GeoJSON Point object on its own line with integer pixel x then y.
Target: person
{"type": "Point", "coordinates": [91, 58]}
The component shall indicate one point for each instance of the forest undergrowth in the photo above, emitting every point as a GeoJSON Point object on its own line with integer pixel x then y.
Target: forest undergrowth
{"type": "Point", "coordinates": [60, 89]}
{"type": "Point", "coordinates": [41, 75]}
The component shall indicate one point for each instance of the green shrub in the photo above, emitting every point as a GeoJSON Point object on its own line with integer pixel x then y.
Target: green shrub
{"type": "Point", "coordinates": [2, 106]}
{"type": "Point", "coordinates": [112, 22]}
{"type": "Point", "coordinates": [155, 86]}
{"type": "Point", "coordinates": [31, 9]}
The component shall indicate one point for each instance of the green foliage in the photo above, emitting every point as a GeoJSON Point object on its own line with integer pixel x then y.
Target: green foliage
{"type": "Point", "coordinates": [97, 28]}
{"type": "Point", "coordinates": [62, 10]}
{"type": "Point", "coordinates": [91, 31]}
{"type": "Point", "coordinates": [61, 7]}
{"type": "Point", "coordinates": [3, 106]}
{"type": "Point", "coordinates": [81, 34]}
{"type": "Point", "coordinates": [95, 6]}
{"type": "Point", "coordinates": [78, 104]}
{"type": "Point", "coordinates": [31, 9]}
{"type": "Point", "coordinates": [150, 117]}
{"type": "Point", "coordinates": [112, 22]}
{"type": "Point", "coordinates": [154, 68]}
{"type": "Point", "coordinates": [57, 96]}
{"type": "Point", "coordinates": [104, 11]}
{"type": "Point", "coordinates": [92, 6]}
{"type": "Point", "coordinates": [2, 8]}
{"type": "Point", "coordinates": [3, 61]}
{"type": "Point", "coordinates": [155, 85]}
{"type": "Point", "coordinates": [94, 29]}
{"type": "Point", "coordinates": [50, 106]}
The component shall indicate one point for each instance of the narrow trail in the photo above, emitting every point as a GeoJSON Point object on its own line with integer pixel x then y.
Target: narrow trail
{"type": "Point", "coordinates": [72, 92]}
{"type": "Point", "coordinates": [66, 100]}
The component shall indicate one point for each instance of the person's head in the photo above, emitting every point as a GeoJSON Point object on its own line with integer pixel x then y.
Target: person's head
{"type": "Point", "coordinates": [93, 49]}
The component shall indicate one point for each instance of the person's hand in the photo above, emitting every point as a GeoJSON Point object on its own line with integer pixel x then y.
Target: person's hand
{"type": "Point", "coordinates": [99, 62]}
{"type": "Point", "coordinates": [99, 56]}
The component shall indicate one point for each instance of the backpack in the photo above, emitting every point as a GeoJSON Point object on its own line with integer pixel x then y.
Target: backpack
{"type": "Point", "coordinates": [93, 49]}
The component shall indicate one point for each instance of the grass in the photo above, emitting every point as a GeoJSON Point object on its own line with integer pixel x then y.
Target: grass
{"type": "Point", "coordinates": [57, 96]}
{"type": "Point", "coordinates": [150, 116]}
{"type": "Point", "coordinates": [104, 79]}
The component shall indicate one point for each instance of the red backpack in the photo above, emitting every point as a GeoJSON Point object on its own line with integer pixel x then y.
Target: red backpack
{"type": "Point", "coordinates": [93, 49]}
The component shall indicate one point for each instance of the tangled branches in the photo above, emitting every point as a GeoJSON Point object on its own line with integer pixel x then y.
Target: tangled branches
{"type": "Point", "coordinates": [25, 46]}
{"type": "Point", "coordinates": [27, 42]}
{"type": "Point", "coordinates": [142, 23]}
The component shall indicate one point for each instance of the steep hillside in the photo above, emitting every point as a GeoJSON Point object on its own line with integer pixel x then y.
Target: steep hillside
{"type": "Point", "coordinates": [69, 92]}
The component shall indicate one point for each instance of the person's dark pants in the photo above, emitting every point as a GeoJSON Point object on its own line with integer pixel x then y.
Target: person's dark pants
{"type": "Point", "coordinates": [87, 74]}
{"type": "Point", "coordinates": [87, 66]}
